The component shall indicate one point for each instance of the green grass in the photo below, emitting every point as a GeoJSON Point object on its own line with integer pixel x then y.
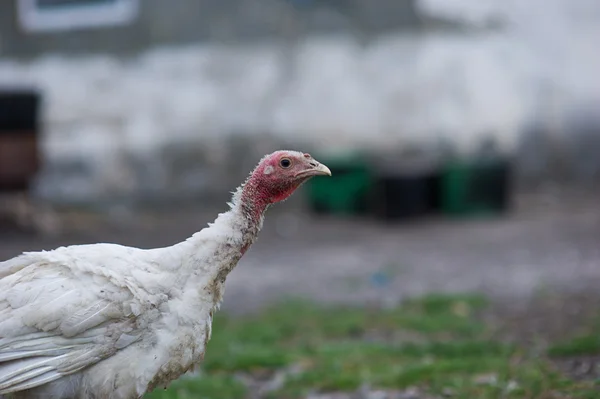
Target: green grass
{"type": "Point", "coordinates": [210, 387]}
{"type": "Point", "coordinates": [581, 345]}
{"type": "Point", "coordinates": [437, 343]}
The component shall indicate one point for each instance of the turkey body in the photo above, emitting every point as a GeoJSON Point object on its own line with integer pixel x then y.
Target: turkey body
{"type": "Point", "coordinates": [105, 321]}
{"type": "Point", "coordinates": [108, 321]}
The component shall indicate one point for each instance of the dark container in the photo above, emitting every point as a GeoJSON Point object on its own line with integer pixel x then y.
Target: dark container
{"type": "Point", "coordinates": [476, 188]}
{"type": "Point", "coordinates": [405, 195]}
{"type": "Point", "coordinates": [19, 138]}
{"type": "Point", "coordinates": [346, 191]}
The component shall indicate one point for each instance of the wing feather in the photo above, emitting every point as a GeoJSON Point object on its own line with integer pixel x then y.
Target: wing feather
{"type": "Point", "coordinates": [33, 382]}
{"type": "Point", "coordinates": [57, 317]}
{"type": "Point", "coordinates": [90, 317]}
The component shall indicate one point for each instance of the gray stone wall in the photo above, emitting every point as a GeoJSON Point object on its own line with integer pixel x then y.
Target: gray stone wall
{"type": "Point", "coordinates": [189, 120]}
{"type": "Point", "coordinates": [176, 22]}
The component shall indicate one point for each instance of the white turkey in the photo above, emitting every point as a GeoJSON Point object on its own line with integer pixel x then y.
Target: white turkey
{"type": "Point", "coordinates": [108, 321]}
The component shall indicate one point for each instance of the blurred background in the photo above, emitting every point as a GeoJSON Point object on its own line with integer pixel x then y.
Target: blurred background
{"type": "Point", "coordinates": [463, 135]}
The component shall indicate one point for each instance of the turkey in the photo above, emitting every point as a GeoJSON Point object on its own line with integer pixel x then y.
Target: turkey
{"type": "Point", "coordinates": [109, 321]}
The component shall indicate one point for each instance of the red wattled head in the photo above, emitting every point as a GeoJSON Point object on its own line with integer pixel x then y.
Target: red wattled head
{"type": "Point", "coordinates": [280, 173]}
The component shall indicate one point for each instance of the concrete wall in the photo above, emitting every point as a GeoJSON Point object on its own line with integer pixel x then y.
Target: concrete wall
{"type": "Point", "coordinates": [175, 22]}
{"type": "Point", "coordinates": [192, 119]}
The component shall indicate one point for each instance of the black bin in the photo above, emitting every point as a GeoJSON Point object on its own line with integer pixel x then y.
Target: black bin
{"type": "Point", "coordinates": [404, 193]}
{"type": "Point", "coordinates": [19, 138]}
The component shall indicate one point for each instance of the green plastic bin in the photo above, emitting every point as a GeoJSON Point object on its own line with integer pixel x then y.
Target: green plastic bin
{"type": "Point", "coordinates": [346, 191]}
{"type": "Point", "coordinates": [472, 188]}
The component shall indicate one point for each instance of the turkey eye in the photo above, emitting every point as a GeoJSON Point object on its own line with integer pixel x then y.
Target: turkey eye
{"type": "Point", "coordinates": [285, 163]}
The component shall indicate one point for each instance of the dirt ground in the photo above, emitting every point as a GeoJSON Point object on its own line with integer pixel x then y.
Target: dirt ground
{"type": "Point", "coordinates": [550, 242]}
{"type": "Point", "coordinates": [540, 263]}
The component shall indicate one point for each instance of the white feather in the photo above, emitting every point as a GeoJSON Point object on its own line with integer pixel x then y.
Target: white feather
{"type": "Point", "coordinates": [33, 382]}
{"type": "Point", "coordinates": [112, 320]}
{"type": "Point", "coordinates": [114, 314]}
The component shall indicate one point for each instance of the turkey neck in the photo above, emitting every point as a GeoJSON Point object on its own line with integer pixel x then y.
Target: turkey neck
{"type": "Point", "coordinates": [213, 252]}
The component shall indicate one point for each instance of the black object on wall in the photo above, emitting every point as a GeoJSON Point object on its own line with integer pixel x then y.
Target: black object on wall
{"type": "Point", "coordinates": [405, 196]}
{"type": "Point", "coordinates": [19, 138]}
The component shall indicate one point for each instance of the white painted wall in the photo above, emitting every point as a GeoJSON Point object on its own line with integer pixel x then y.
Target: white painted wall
{"type": "Point", "coordinates": [542, 65]}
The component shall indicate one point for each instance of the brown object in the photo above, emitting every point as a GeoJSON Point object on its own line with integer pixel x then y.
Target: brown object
{"type": "Point", "coordinates": [19, 159]}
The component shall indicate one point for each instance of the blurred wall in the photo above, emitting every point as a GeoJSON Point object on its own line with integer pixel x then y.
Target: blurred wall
{"type": "Point", "coordinates": [184, 101]}
{"type": "Point", "coordinates": [175, 22]}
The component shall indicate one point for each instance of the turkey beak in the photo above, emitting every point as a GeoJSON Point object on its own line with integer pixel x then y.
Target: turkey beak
{"type": "Point", "coordinates": [321, 170]}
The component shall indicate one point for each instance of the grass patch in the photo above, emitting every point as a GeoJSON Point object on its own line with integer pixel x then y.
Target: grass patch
{"type": "Point", "coordinates": [583, 345]}
{"type": "Point", "coordinates": [206, 387]}
{"type": "Point", "coordinates": [436, 342]}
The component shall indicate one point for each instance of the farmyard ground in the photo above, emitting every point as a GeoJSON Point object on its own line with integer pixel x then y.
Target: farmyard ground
{"type": "Point", "coordinates": [521, 318]}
